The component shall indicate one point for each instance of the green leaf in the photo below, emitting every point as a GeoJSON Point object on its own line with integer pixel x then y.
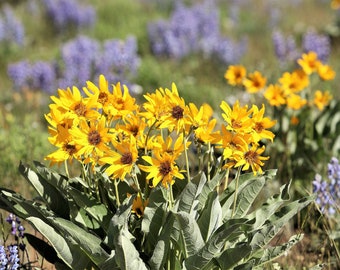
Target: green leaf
{"type": "Point", "coordinates": [69, 252]}
{"type": "Point", "coordinates": [92, 207]}
{"type": "Point", "coordinates": [211, 216]}
{"type": "Point", "coordinates": [232, 256]}
{"type": "Point", "coordinates": [209, 187]}
{"type": "Point", "coordinates": [247, 195]}
{"type": "Point", "coordinates": [126, 253]}
{"type": "Point", "coordinates": [264, 235]}
{"type": "Point", "coordinates": [187, 201]}
{"type": "Point", "coordinates": [225, 234]}
{"type": "Point", "coordinates": [88, 242]}
{"type": "Point", "coordinates": [191, 233]}
{"type": "Point", "coordinates": [44, 249]}
{"type": "Point", "coordinates": [52, 196]}
{"type": "Point", "coordinates": [154, 217]}
{"type": "Point", "coordinates": [274, 252]}
{"type": "Point", "coordinates": [263, 213]}
{"type": "Point", "coordinates": [120, 221]}
{"type": "Point", "coordinates": [24, 208]}
{"type": "Point", "coordinates": [161, 250]}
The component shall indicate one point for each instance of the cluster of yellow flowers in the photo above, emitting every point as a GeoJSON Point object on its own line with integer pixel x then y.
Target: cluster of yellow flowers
{"type": "Point", "coordinates": [288, 90]}
{"type": "Point", "coordinates": [335, 4]}
{"type": "Point", "coordinates": [110, 131]}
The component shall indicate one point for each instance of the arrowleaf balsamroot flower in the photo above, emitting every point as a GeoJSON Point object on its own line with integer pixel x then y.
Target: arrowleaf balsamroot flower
{"type": "Point", "coordinates": [309, 62]}
{"type": "Point", "coordinates": [275, 95]}
{"type": "Point", "coordinates": [325, 72]}
{"type": "Point", "coordinates": [162, 168]}
{"type": "Point", "coordinates": [122, 161]}
{"type": "Point", "coordinates": [92, 138]}
{"type": "Point", "coordinates": [251, 159]}
{"type": "Point", "coordinates": [261, 124]}
{"type": "Point", "coordinates": [235, 74]}
{"type": "Point", "coordinates": [321, 99]}
{"type": "Point", "coordinates": [237, 118]}
{"type": "Point", "coordinates": [255, 82]}
{"type": "Point", "coordinates": [73, 105]}
{"type": "Point", "coordinates": [295, 102]}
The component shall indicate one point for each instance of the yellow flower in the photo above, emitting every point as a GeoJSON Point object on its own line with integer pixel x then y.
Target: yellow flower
{"type": "Point", "coordinates": [74, 106]}
{"type": "Point", "coordinates": [67, 149]}
{"type": "Point", "coordinates": [133, 124]}
{"type": "Point", "coordinates": [162, 168]}
{"type": "Point", "coordinates": [92, 137]}
{"type": "Point", "coordinates": [275, 95]}
{"type": "Point", "coordinates": [252, 159]}
{"type": "Point", "coordinates": [101, 94]}
{"type": "Point", "coordinates": [235, 74]}
{"type": "Point", "coordinates": [120, 104]}
{"type": "Point", "coordinates": [321, 99]}
{"type": "Point", "coordinates": [121, 161]}
{"type": "Point", "coordinates": [201, 123]}
{"type": "Point", "coordinates": [294, 82]}
{"type": "Point", "coordinates": [325, 72]}
{"type": "Point", "coordinates": [294, 120]}
{"type": "Point", "coordinates": [156, 107]}
{"type": "Point", "coordinates": [232, 142]}
{"type": "Point", "coordinates": [173, 147]}
{"type": "Point", "coordinates": [255, 82]}
{"type": "Point", "coordinates": [177, 117]}
{"type": "Point", "coordinates": [58, 125]}
{"type": "Point", "coordinates": [237, 118]}
{"type": "Point", "coordinates": [309, 62]}
{"type": "Point", "coordinates": [261, 124]}
{"type": "Point", "coordinates": [295, 102]}
{"type": "Point", "coordinates": [335, 4]}
{"type": "Point", "coordinates": [138, 205]}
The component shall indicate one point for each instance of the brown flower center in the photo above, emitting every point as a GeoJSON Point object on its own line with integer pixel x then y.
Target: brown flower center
{"type": "Point", "coordinates": [177, 112]}
{"type": "Point", "coordinates": [102, 98]}
{"type": "Point", "coordinates": [251, 157]}
{"type": "Point", "coordinates": [236, 124]}
{"type": "Point", "coordinates": [119, 104]}
{"type": "Point", "coordinates": [94, 137]}
{"type": "Point", "coordinates": [258, 127]}
{"type": "Point", "coordinates": [126, 158]}
{"type": "Point", "coordinates": [69, 148]}
{"type": "Point", "coordinates": [80, 109]}
{"type": "Point", "coordinates": [165, 168]}
{"type": "Point", "coordinates": [134, 130]}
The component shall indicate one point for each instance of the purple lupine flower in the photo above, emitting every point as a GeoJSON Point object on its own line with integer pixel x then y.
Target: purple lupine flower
{"type": "Point", "coordinates": [13, 260]}
{"type": "Point", "coordinates": [189, 30]}
{"type": "Point", "coordinates": [43, 76]}
{"type": "Point", "coordinates": [2, 29]}
{"type": "Point", "coordinates": [69, 12]}
{"type": "Point", "coordinates": [3, 258]}
{"type": "Point", "coordinates": [118, 59]}
{"type": "Point", "coordinates": [19, 73]}
{"type": "Point", "coordinates": [229, 51]}
{"type": "Point", "coordinates": [285, 47]}
{"type": "Point", "coordinates": [12, 28]}
{"type": "Point", "coordinates": [78, 57]}
{"type": "Point", "coordinates": [328, 191]}
{"type": "Point", "coordinates": [318, 43]}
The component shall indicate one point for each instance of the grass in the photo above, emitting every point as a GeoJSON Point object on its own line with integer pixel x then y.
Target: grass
{"type": "Point", "coordinates": [23, 132]}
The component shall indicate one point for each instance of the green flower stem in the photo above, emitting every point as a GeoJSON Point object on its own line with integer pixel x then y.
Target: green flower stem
{"type": "Point", "coordinates": [135, 180]}
{"type": "Point", "coordinates": [171, 197]}
{"type": "Point", "coordinates": [116, 181]}
{"type": "Point", "coordinates": [209, 161]}
{"type": "Point", "coordinates": [223, 184]}
{"type": "Point", "coordinates": [236, 189]}
{"type": "Point", "coordinates": [186, 156]}
{"type": "Point", "coordinates": [66, 169]}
